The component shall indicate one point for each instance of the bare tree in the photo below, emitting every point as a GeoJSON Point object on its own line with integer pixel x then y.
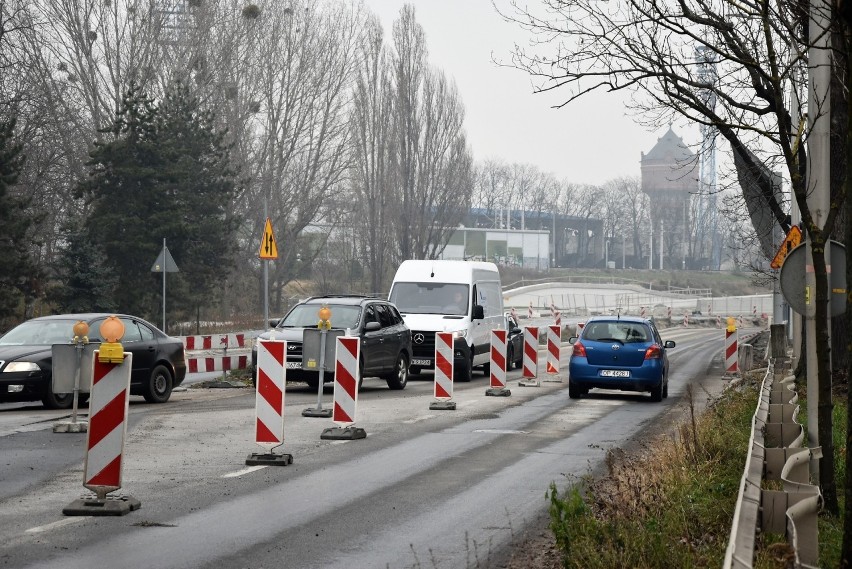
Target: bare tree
{"type": "Point", "coordinates": [302, 139]}
{"type": "Point", "coordinates": [434, 164]}
{"type": "Point", "coordinates": [372, 176]}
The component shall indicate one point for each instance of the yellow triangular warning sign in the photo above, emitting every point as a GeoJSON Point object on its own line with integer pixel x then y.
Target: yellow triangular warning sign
{"type": "Point", "coordinates": [268, 246]}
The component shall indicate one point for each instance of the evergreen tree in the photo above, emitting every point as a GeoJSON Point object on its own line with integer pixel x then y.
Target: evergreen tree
{"type": "Point", "coordinates": [19, 272]}
{"type": "Point", "coordinates": [126, 202]}
{"type": "Point", "coordinates": [84, 281]}
{"type": "Point", "coordinates": [164, 173]}
{"type": "Point", "coordinates": [197, 174]}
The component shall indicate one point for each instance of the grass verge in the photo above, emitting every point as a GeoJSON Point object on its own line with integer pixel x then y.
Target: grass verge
{"type": "Point", "coordinates": [671, 505]}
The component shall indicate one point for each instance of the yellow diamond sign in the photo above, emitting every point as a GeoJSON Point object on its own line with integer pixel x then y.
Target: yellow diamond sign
{"type": "Point", "coordinates": [791, 241]}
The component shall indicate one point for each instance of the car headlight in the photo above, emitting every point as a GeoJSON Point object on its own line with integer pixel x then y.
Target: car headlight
{"type": "Point", "coordinates": [459, 334]}
{"type": "Point", "coordinates": [13, 367]}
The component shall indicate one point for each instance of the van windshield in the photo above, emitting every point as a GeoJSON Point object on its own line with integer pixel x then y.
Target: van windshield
{"type": "Point", "coordinates": [431, 298]}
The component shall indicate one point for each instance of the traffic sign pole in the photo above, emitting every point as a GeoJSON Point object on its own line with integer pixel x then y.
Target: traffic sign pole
{"type": "Point", "coordinates": [268, 252]}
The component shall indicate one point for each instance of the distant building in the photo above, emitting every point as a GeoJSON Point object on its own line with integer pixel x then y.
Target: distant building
{"type": "Point", "coordinates": [670, 178]}
{"type": "Point", "coordinates": [563, 240]}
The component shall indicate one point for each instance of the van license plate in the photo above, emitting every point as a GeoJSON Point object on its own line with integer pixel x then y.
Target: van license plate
{"type": "Point", "coordinates": [615, 373]}
{"type": "Point", "coordinates": [421, 362]}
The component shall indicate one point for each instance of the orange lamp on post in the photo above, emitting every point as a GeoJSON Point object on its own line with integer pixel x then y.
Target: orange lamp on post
{"type": "Point", "coordinates": [732, 324]}
{"type": "Point", "coordinates": [324, 318]}
{"type": "Point", "coordinates": [111, 350]}
{"type": "Point", "coordinates": [81, 332]}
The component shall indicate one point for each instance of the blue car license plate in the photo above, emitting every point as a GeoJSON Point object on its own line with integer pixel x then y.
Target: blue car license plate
{"type": "Point", "coordinates": [615, 373]}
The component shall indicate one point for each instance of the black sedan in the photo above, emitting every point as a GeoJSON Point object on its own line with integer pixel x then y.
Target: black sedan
{"type": "Point", "coordinates": [159, 363]}
{"type": "Point", "coordinates": [514, 343]}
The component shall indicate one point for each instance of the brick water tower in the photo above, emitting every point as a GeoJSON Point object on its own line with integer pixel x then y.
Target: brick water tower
{"type": "Point", "coordinates": [670, 178]}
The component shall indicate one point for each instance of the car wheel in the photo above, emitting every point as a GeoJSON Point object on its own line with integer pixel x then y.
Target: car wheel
{"type": "Point", "coordinates": [464, 372]}
{"type": "Point", "coordinates": [399, 378]}
{"type": "Point", "coordinates": [574, 392]}
{"type": "Point", "coordinates": [159, 387]}
{"type": "Point", "coordinates": [657, 393]}
{"type": "Point", "coordinates": [53, 400]}
{"type": "Point", "coordinates": [666, 390]}
{"type": "Point", "coordinates": [510, 358]}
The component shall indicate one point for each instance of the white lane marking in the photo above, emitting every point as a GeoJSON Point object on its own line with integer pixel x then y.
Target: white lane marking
{"type": "Point", "coordinates": [244, 471]}
{"type": "Point", "coordinates": [56, 524]}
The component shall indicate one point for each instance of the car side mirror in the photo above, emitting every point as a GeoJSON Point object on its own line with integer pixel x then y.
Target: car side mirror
{"type": "Point", "coordinates": [669, 344]}
{"type": "Point", "coordinates": [572, 339]}
{"type": "Point", "coordinates": [372, 327]}
{"type": "Point", "coordinates": [273, 322]}
{"type": "Point", "coordinates": [478, 312]}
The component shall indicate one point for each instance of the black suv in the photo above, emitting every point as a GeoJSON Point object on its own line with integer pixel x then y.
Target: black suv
{"type": "Point", "coordinates": [385, 339]}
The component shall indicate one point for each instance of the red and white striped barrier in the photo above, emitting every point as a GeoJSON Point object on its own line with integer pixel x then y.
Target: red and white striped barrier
{"type": "Point", "coordinates": [642, 311]}
{"type": "Point", "coordinates": [269, 402]}
{"type": "Point", "coordinates": [686, 319]}
{"type": "Point", "coordinates": [718, 321]}
{"type": "Point", "coordinates": [529, 311]}
{"type": "Point", "coordinates": [557, 316]}
{"type": "Point", "coordinates": [216, 363]}
{"type": "Point", "coordinates": [346, 379]}
{"type": "Point", "coordinates": [214, 341]}
{"type": "Point", "coordinates": [554, 339]}
{"type": "Point", "coordinates": [731, 356]}
{"type": "Point", "coordinates": [530, 351]}
{"type": "Point", "coordinates": [443, 366]}
{"type": "Point", "coordinates": [754, 312]}
{"type": "Point", "coordinates": [530, 359]}
{"type": "Point", "coordinates": [108, 402]}
{"type": "Point", "coordinates": [498, 359]}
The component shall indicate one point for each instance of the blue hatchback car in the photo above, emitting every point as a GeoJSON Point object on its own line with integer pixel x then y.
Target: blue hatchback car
{"type": "Point", "coordinates": [619, 352]}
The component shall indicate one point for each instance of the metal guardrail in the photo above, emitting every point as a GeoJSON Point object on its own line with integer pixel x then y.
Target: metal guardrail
{"type": "Point", "coordinates": [590, 279]}
{"type": "Point", "coordinates": [776, 453]}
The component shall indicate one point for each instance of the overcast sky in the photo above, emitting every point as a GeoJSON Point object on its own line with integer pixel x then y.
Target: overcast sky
{"type": "Point", "coordinates": [588, 141]}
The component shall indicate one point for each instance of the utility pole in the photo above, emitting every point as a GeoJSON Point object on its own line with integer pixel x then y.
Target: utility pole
{"type": "Point", "coordinates": [818, 188]}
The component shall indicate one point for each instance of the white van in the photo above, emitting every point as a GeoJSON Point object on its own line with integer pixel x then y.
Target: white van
{"type": "Point", "coordinates": [465, 298]}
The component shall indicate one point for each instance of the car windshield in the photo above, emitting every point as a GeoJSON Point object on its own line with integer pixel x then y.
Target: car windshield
{"type": "Point", "coordinates": [431, 298]}
{"type": "Point", "coordinates": [40, 333]}
{"type": "Point", "coordinates": [625, 332]}
{"type": "Point", "coordinates": [305, 316]}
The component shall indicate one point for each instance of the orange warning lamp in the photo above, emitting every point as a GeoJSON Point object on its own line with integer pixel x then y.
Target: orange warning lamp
{"type": "Point", "coordinates": [325, 318]}
{"type": "Point", "coordinates": [732, 324]}
{"type": "Point", "coordinates": [81, 332]}
{"type": "Point", "coordinates": [111, 350]}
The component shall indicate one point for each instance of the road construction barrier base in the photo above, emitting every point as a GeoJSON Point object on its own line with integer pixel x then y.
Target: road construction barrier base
{"type": "Point", "coordinates": [343, 433]}
{"type": "Point", "coordinates": [70, 427]}
{"type": "Point", "coordinates": [317, 412]}
{"type": "Point", "coordinates": [443, 405]}
{"type": "Point", "coordinates": [269, 459]}
{"type": "Point", "coordinates": [553, 379]}
{"type": "Point", "coordinates": [498, 392]}
{"type": "Point", "coordinates": [109, 506]}
{"type": "Point", "coordinates": [529, 383]}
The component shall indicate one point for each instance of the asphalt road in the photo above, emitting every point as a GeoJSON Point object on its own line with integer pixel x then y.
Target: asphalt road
{"type": "Point", "coordinates": [448, 489]}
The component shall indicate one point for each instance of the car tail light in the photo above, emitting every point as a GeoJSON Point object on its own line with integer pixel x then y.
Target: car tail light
{"type": "Point", "coordinates": [653, 353]}
{"type": "Point", "coordinates": [579, 350]}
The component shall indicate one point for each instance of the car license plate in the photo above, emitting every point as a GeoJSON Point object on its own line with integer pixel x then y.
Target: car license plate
{"type": "Point", "coordinates": [421, 362]}
{"type": "Point", "coordinates": [615, 373]}
{"type": "Point", "coordinates": [294, 365]}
